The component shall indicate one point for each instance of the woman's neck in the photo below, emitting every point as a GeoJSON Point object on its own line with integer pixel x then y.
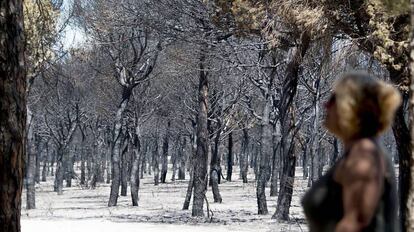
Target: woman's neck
{"type": "Point", "coordinates": [349, 142]}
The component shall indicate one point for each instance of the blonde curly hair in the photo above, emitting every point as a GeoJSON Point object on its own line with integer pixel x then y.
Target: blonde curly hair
{"type": "Point", "coordinates": [365, 105]}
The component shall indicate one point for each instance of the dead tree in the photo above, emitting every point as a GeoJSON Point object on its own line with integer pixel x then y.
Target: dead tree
{"type": "Point", "coordinates": [13, 114]}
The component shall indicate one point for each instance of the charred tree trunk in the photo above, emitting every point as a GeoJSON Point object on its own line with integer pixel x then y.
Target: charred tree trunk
{"type": "Point", "coordinates": [191, 169]}
{"type": "Point", "coordinates": [31, 164]}
{"type": "Point", "coordinates": [335, 152]}
{"type": "Point", "coordinates": [182, 157]}
{"type": "Point", "coordinates": [59, 174]}
{"type": "Point", "coordinates": [38, 157]}
{"type": "Point", "coordinates": [407, 210]}
{"type": "Point", "coordinates": [143, 161]}
{"type": "Point", "coordinates": [116, 146]}
{"type": "Point", "coordinates": [12, 113]}
{"type": "Point", "coordinates": [174, 156]}
{"type": "Point", "coordinates": [124, 169]}
{"type": "Point", "coordinates": [305, 160]}
{"type": "Point", "coordinates": [190, 186]}
{"type": "Point", "coordinates": [230, 158]}
{"type": "Point", "coordinates": [402, 138]}
{"type": "Point", "coordinates": [264, 167]}
{"type": "Point", "coordinates": [155, 161]}
{"type": "Point", "coordinates": [83, 174]}
{"type": "Point", "coordinates": [164, 166]}
{"type": "Point", "coordinates": [69, 170]}
{"type": "Point", "coordinates": [115, 174]}
{"type": "Point", "coordinates": [135, 168]}
{"type": "Point", "coordinates": [108, 163]}
{"type": "Point", "coordinates": [275, 168]}
{"type": "Point", "coordinates": [201, 155]}
{"type": "Point", "coordinates": [244, 155]}
{"type": "Point", "coordinates": [45, 161]}
{"type": "Point", "coordinates": [44, 170]}
{"type": "Point", "coordinates": [290, 84]}
{"type": "Point", "coordinates": [215, 169]}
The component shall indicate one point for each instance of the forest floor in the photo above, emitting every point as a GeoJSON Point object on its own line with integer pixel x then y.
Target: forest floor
{"type": "Point", "coordinates": [80, 209]}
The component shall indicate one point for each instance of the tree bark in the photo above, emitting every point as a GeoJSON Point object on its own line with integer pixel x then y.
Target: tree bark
{"type": "Point", "coordinates": [59, 174]}
{"type": "Point", "coordinates": [155, 161]}
{"type": "Point", "coordinates": [135, 168]}
{"type": "Point", "coordinates": [116, 146]}
{"type": "Point", "coordinates": [38, 157]}
{"type": "Point", "coordinates": [402, 138]}
{"type": "Point", "coordinates": [244, 157]}
{"type": "Point", "coordinates": [83, 174]}
{"type": "Point", "coordinates": [124, 169]}
{"type": "Point", "coordinates": [215, 169]}
{"type": "Point", "coordinates": [335, 152]}
{"type": "Point", "coordinates": [230, 158]}
{"type": "Point", "coordinates": [31, 164]}
{"type": "Point", "coordinates": [264, 167]}
{"type": "Point", "coordinates": [143, 161]}
{"type": "Point", "coordinates": [69, 169]}
{"type": "Point", "coordinates": [182, 157]}
{"type": "Point", "coordinates": [12, 113]}
{"type": "Point", "coordinates": [45, 161]}
{"type": "Point", "coordinates": [275, 168]}
{"type": "Point", "coordinates": [190, 186]}
{"type": "Point", "coordinates": [165, 146]}
{"type": "Point", "coordinates": [290, 84]}
{"type": "Point", "coordinates": [201, 155]}
{"type": "Point", "coordinates": [407, 210]}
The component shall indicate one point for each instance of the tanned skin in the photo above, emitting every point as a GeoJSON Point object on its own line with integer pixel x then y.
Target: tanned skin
{"type": "Point", "coordinates": [361, 175]}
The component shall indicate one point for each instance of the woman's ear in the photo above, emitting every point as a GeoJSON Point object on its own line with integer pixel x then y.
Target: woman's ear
{"type": "Point", "coordinates": [389, 99]}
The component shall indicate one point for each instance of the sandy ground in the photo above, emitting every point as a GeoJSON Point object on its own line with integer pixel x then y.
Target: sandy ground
{"type": "Point", "coordinates": [159, 209]}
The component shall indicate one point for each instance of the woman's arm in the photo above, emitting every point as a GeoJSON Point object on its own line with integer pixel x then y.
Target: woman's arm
{"type": "Point", "coordinates": [361, 182]}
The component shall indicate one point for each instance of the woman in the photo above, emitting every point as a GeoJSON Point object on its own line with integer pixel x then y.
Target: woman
{"type": "Point", "coordinates": [358, 193]}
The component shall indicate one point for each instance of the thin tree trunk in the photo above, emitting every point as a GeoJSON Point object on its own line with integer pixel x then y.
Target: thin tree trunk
{"type": "Point", "coordinates": [182, 157]}
{"type": "Point", "coordinates": [45, 168]}
{"type": "Point", "coordinates": [201, 155]}
{"type": "Point", "coordinates": [274, 178]}
{"type": "Point", "coordinates": [165, 146]}
{"type": "Point", "coordinates": [52, 163]}
{"type": "Point", "coordinates": [59, 172]}
{"type": "Point", "coordinates": [156, 160]}
{"type": "Point", "coordinates": [116, 146]}
{"type": "Point", "coordinates": [115, 174]}
{"type": "Point", "coordinates": [83, 174]}
{"type": "Point", "coordinates": [215, 169]}
{"type": "Point", "coordinates": [335, 152]}
{"type": "Point", "coordinates": [143, 162]}
{"type": "Point", "coordinates": [124, 169]}
{"type": "Point", "coordinates": [31, 164]}
{"type": "Point", "coordinates": [230, 158]}
{"type": "Point", "coordinates": [38, 157]}
{"type": "Point", "coordinates": [264, 168]}
{"type": "Point", "coordinates": [108, 164]}
{"type": "Point", "coordinates": [190, 186]}
{"type": "Point", "coordinates": [69, 170]}
{"type": "Point", "coordinates": [135, 168]}
{"type": "Point", "coordinates": [189, 191]}
{"type": "Point", "coordinates": [244, 159]}
{"type": "Point", "coordinates": [290, 84]}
